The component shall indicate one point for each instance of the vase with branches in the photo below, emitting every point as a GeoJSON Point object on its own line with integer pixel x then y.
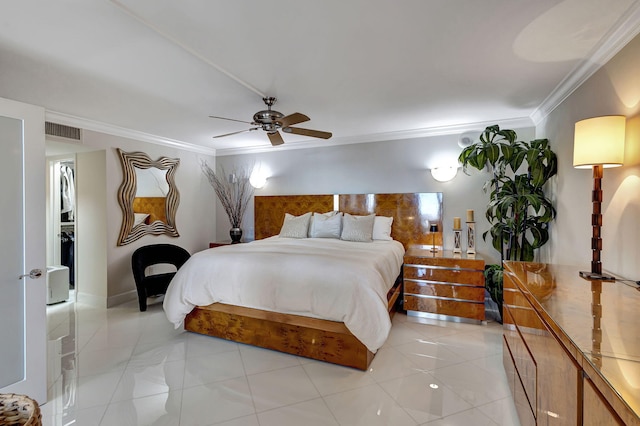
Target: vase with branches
{"type": "Point", "coordinates": [518, 210]}
{"type": "Point", "coordinates": [234, 192]}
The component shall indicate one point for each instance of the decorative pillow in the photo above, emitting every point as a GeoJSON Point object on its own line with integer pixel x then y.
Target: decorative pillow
{"type": "Point", "coordinates": [314, 215]}
{"type": "Point", "coordinates": [295, 226]}
{"type": "Point", "coordinates": [382, 228]}
{"type": "Point", "coordinates": [357, 228]}
{"type": "Point", "coordinates": [323, 226]}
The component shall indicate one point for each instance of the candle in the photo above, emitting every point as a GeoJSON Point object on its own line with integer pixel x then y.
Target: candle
{"type": "Point", "coordinates": [470, 216]}
{"type": "Point", "coordinates": [456, 223]}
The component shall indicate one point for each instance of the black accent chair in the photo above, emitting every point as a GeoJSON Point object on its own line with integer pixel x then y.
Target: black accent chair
{"type": "Point", "coordinates": [155, 254]}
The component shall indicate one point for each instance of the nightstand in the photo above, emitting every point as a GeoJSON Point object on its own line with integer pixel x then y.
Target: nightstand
{"type": "Point", "coordinates": [219, 244]}
{"type": "Point", "coordinates": [443, 285]}
{"type": "Point", "coordinates": [224, 243]}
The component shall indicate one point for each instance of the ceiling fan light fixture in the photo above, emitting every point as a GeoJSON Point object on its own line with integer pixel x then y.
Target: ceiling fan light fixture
{"type": "Point", "coordinates": [271, 121]}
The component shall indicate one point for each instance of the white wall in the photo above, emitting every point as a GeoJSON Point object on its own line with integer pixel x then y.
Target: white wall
{"type": "Point", "coordinates": [613, 90]}
{"type": "Point", "coordinates": [90, 249]}
{"type": "Point", "coordinates": [381, 167]}
{"type": "Point", "coordinates": [195, 219]}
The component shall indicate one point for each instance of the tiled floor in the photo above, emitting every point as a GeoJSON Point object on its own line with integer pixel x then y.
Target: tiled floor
{"type": "Point", "coordinates": [124, 367]}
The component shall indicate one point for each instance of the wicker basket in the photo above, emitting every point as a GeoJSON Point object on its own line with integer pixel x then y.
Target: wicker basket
{"type": "Point", "coordinates": [19, 410]}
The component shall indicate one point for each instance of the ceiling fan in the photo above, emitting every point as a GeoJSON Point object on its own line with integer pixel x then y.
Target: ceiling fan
{"type": "Point", "coordinates": [271, 121]}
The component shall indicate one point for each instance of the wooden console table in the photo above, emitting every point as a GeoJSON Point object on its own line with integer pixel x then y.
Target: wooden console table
{"type": "Point", "coordinates": [571, 346]}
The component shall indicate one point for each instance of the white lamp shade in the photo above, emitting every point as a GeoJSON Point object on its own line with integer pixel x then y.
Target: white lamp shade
{"type": "Point", "coordinates": [444, 174]}
{"type": "Point", "coordinates": [258, 179]}
{"type": "Point", "coordinates": [599, 141]}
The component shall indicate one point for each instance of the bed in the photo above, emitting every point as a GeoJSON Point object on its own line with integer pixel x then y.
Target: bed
{"type": "Point", "coordinates": [291, 313]}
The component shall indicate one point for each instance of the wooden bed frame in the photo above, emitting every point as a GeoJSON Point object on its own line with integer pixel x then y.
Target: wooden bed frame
{"type": "Point", "coordinates": [323, 340]}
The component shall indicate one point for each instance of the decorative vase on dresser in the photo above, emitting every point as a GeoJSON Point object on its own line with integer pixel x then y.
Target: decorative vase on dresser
{"type": "Point", "coordinates": [443, 285]}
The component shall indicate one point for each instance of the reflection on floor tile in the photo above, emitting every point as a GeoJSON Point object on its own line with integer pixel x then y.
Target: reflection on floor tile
{"type": "Point", "coordinates": [125, 367]}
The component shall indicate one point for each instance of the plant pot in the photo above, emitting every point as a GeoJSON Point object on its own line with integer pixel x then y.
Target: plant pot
{"type": "Point", "coordinates": [236, 235]}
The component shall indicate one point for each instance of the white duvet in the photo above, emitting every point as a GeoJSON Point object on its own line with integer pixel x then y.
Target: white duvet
{"type": "Point", "coordinates": [316, 277]}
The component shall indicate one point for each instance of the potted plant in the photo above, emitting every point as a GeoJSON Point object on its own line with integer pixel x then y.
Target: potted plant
{"type": "Point", "coordinates": [518, 210]}
{"type": "Point", "coordinates": [234, 192]}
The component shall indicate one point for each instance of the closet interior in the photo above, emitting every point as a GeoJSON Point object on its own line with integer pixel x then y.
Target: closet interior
{"type": "Point", "coordinates": [61, 235]}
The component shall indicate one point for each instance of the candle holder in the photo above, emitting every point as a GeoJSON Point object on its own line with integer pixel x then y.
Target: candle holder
{"type": "Point", "coordinates": [471, 238]}
{"type": "Point", "coordinates": [457, 240]}
{"type": "Point", "coordinates": [433, 229]}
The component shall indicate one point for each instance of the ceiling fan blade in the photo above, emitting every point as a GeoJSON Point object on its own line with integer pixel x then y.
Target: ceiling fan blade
{"type": "Point", "coordinates": [294, 118]}
{"type": "Point", "coordinates": [235, 133]}
{"type": "Point", "coordinates": [232, 119]}
{"type": "Point", "coordinates": [275, 138]}
{"type": "Point", "coordinates": [307, 132]}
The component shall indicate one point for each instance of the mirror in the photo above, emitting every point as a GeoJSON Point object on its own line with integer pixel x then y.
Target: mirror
{"type": "Point", "coordinates": [148, 196]}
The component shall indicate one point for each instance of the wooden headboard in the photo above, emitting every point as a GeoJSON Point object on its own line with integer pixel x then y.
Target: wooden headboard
{"type": "Point", "coordinates": [412, 212]}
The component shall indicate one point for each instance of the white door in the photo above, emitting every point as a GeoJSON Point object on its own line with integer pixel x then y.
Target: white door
{"type": "Point", "coordinates": [22, 251]}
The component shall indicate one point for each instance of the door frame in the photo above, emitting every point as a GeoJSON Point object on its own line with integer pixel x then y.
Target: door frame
{"type": "Point", "coordinates": [33, 118]}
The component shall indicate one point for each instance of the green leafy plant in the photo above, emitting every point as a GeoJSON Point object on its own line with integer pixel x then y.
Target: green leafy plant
{"type": "Point", "coordinates": [518, 210]}
{"type": "Point", "coordinates": [493, 283]}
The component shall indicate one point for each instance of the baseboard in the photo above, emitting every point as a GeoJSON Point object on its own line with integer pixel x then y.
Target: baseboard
{"type": "Point", "coordinates": [91, 300]}
{"type": "Point", "coordinates": [121, 298]}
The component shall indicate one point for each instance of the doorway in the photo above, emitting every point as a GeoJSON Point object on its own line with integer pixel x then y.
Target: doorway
{"type": "Point", "coordinates": [61, 229]}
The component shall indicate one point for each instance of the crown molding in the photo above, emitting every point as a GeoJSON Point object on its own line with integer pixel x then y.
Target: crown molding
{"type": "Point", "coordinates": [379, 137]}
{"type": "Point", "coordinates": [97, 126]}
{"type": "Point", "coordinates": [618, 37]}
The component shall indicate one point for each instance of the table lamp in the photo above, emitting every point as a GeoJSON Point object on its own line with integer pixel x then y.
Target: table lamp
{"type": "Point", "coordinates": [598, 143]}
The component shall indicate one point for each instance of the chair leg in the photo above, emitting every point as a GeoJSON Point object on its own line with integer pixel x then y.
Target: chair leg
{"type": "Point", "coordinates": [142, 300]}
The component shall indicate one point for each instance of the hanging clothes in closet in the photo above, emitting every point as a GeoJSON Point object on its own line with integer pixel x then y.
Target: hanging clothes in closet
{"type": "Point", "coordinates": [67, 193]}
{"type": "Point", "coordinates": [67, 242]}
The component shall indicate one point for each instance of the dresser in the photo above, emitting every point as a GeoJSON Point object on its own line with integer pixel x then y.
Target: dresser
{"type": "Point", "coordinates": [571, 346]}
{"type": "Point", "coordinates": [443, 285]}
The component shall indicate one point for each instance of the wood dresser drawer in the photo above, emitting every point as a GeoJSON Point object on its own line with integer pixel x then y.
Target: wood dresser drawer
{"type": "Point", "coordinates": [451, 291]}
{"type": "Point", "coordinates": [443, 283]}
{"type": "Point", "coordinates": [444, 275]}
{"type": "Point", "coordinates": [448, 307]}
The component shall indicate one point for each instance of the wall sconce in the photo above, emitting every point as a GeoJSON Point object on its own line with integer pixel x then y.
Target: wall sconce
{"type": "Point", "coordinates": [258, 178]}
{"type": "Point", "coordinates": [598, 143]}
{"type": "Point", "coordinates": [444, 173]}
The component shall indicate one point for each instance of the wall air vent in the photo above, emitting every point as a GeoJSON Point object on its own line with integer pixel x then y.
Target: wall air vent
{"type": "Point", "coordinates": [68, 133]}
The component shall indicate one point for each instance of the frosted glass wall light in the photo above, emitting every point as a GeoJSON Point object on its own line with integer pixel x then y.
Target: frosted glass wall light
{"type": "Point", "coordinates": [258, 178]}
{"type": "Point", "coordinates": [444, 173]}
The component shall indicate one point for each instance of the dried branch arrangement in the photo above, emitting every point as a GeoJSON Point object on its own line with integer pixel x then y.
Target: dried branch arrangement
{"type": "Point", "coordinates": [233, 190]}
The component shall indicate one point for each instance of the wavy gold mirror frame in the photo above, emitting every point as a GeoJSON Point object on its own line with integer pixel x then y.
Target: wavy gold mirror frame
{"type": "Point", "coordinates": [127, 193]}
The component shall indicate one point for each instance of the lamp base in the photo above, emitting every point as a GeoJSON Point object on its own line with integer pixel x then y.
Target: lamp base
{"type": "Point", "coordinates": [592, 276]}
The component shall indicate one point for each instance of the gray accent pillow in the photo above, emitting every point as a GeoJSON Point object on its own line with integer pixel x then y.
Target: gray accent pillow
{"type": "Point", "coordinates": [315, 215]}
{"type": "Point", "coordinates": [295, 226]}
{"type": "Point", "coordinates": [357, 228]}
{"type": "Point", "coordinates": [324, 226]}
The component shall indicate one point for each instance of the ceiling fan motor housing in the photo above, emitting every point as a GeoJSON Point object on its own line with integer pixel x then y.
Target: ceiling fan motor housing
{"type": "Point", "coordinates": [268, 119]}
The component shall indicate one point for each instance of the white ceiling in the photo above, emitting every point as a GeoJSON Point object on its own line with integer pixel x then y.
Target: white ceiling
{"type": "Point", "coordinates": [366, 70]}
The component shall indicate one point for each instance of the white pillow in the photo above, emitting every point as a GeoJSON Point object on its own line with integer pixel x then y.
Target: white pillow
{"type": "Point", "coordinates": [295, 226]}
{"type": "Point", "coordinates": [357, 228]}
{"type": "Point", "coordinates": [314, 215]}
{"type": "Point", "coordinates": [323, 226]}
{"type": "Point", "coordinates": [382, 228]}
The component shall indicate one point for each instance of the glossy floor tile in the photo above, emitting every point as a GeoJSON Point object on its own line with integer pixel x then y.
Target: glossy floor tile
{"type": "Point", "coordinates": [123, 367]}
